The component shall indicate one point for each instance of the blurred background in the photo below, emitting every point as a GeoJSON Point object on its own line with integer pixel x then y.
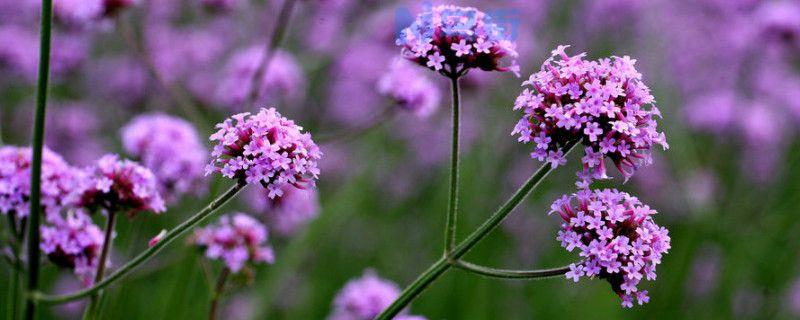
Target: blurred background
{"type": "Point", "coordinates": [725, 74]}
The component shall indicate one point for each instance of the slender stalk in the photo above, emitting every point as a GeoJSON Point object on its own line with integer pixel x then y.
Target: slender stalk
{"type": "Point", "coordinates": [93, 307]}
{"type": "Point", "coordinates": [147, 254]}
{"type": "Point", "coordinates": [452, 207]}
{"type": "Point", "coordinates": [440, 266]}
{"type": "Point", "coordinates": [36, 161]}
{"type": "Point", "coordinates": [511, 274]}
{"type": "Point", "coordinates": [13, 297]}
{"type": "Point", "coordinates": [278, 33]}
{"type": "Point", "coordinates": [223, 276]}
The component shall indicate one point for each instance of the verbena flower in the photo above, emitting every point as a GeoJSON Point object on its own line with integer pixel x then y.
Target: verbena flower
{"type": "Point", "coordinates": [171, 148]}
{"type": "Point", "coordinates": [603, 103]}
{"type": "Point", "coordinates": [118, 185]}
{"type": "Point", "coordinates": [236, 240]}
{"type": "Point", "coordinates": [283, 78]}
{"type": "Point", "coordinates": [265, 148]}
{"type": "Point", "coordinates": [404, 84]}
{"type": "Point", "coordinates": [365, 298]}
{"type": "Point", "coordinates": [615, 236]}
{"type": "Point", "coordinates": [74, 243]}
{"type": "Point", "coordinates": [459, 37]}
{"type": "Point", "coordinates": [58, 182]}
{"type": "Point", "coordinates": [289, 212]}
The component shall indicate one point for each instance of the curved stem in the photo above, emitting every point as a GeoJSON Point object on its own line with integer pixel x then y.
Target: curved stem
{"type": "Point", "coordinates": [36, 161]}
{"type": "Point", "coordinates": [93, 307]}
{"type": "Point", "coordinates": [223, 276]}
{"type": "Point", "coordinates": [278, 33]}
{"type": "Point", "coordinates": [452, 207]}
{"type": "Point", "coordinates": [146, 255]}
{"type": "Point", "coordinates": [440, 266]}
{"type": "Point", "coordinates": [510, 274]}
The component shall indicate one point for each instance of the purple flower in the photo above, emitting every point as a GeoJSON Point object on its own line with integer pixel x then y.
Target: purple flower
{"type": "Point", "coordinates": [58, 182]}
{"type": "Point", "coordinates": [287, 213]}
{"type": "Point", "coordinates": [265, 148]}
{"type": "Point", "coordinates": [219, 6]}
{"type": "Point", "coordinates": [83, 13]}
{"type": "Point", "coordinates": [409, 89]}
{"type": "Point", "coordinates": [236, 241]}
{"type": "Point", "coordinates": [608, 114]}
{"type": "Point", "coordinates": [365, 298]}
{"type": "Point", "coordinates": [283, 79]}
{"type": "Point", "coordinates": [74, 243]}
{"type": "Point", "coordinates": [459, 37]}
{"type": "Point", "coordinates": [631, 253]}
{"type": "Point", "coordinates": [713, 112]}
{"type": "Point", "coordinates": [779, 22]}
{"type": "Point", "coordinates": [171, 148]}
{"type": "Point", "coordinates": [793, 298]}
{"type": "Point", "coordinates": [119, 186]}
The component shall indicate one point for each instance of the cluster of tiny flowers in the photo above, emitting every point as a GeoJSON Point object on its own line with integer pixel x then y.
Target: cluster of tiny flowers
{"type": "Point", "coordinates": [604, 103]}
{"type": "Point", "coordinates": [616, 237]}
{"type": "Point", "coordinates": [58, 182]}
{"type": "Point", "coordinates": [365, 298]}
{"type": "Point", "coordinates": [74, 243]}
{"type": "Point", "coordinates": [461, 37]}
{"type": "Point", "coordinates": [289, 212]}
{"type": "Point", "coordinates": [265, 148]}
{"type": "Point", "coordinates": [404, 84]}
{"type": "Point", "coordinates": [119, 186]}
{"type": "Point", "coordinates": [171, 148]}
{"type": "Point", "coordinates": [236, 241]}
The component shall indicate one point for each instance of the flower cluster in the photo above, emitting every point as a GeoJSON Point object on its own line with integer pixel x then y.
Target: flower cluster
{"type": "Point", "coordinates": [236, 241]}
{"type": "Point", "coordinates": [603, 103]}
{"type": "Point", "coordinates": [119, 186]}
{"type": "Point", "coordinates": [409, 89]}
{"type": "Point", "coordinates": [265, 148]}
{"type": "Point", "coordinates": [289, 212]}
{"type": "Point", "coordinates": [171, 148]}
{"type": "Point", "coordinates": [74, 243]}
{"type": "Point", "coordinates": [58, 182]}
{"type": "Point", "coordinates": [283, 78]}
{"type": "Point", "coordinates": [617, 239]}
{"type": "Point", "coordinates": [459, 37]}
{"type": "Point", "coordinates": [365, 298]}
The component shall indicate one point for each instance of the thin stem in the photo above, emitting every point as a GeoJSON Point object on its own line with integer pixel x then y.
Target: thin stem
{"type": "Point", "coordinates": [123, 271]}
{"type": "Point", "coordinates": [93, 307]}
{"type": "Point", "coordinates": [440, 266]}
{"type": "Point", "coordinates": [510, 274]}
{"type": "Point", "coordinates": [278, 33]}
{"type": "Point", "coordinates": [36, 161]}
{"type": "Point", "coordinates": [13, 298]}
{"type": "Point", "coordinates": [452, 211]}
{"type": "Point", "coordinates": [223, 276]}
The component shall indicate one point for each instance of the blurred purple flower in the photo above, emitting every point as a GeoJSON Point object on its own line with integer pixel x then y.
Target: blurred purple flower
{"type": "Point", "coordinates": [793, 298]}
{"type": "Point", "coordinates": [69, 52]}
{"type": "Point", "coordinates": [236, 240]}
{"type": "Point", "coordinates": [410, 89]}
{"type": "Point", "coordinates": [122, 80]}
{"type": "Point", "coordinates": [704, 275]}
{"type": "Point", "coordinates": [714, 112]}
{"type": "Point", "coordinates": [219, 6]}
{"type": "Point", "coordinates": [287, 213]}
{"type": "Point", "coordinates": [366, 297]}
{"type": "Point", "coordinates": [121, 186]}
{"type": "Point", "coordinates": [283, 79]}
{"type": "Point", "coordinates": [74, 243]}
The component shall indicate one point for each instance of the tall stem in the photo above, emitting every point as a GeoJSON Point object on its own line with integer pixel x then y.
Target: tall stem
{"type": "Point", "coordinates": [452, 207]}
{"type": "Point", "coordinates": [278, 33]}
{"type": "Point", "coordinates": [36, 162]}
{"type": "Point", "coordinates": [440, 266]}
{"type": "Point", "coordinates": [223, 276]}
{"type": "Point", "coordinates": [93, 307]}
{"type": "Point", "coordinates": [147, 254]}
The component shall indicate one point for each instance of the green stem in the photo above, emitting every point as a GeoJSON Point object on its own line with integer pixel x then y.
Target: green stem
{"type": "Point", "coordinates": [278, 33]}
{"type": "Point", "coordinates": [13, 297]}
{"type": "Point", "coordinates": [147, 254]}
{"type": "Point", "coordinates": [510, 274]}
{"type": "Point", "coordinates": [452, 211]}
{"type": "Point", "coordinates": [440, 266]}
{"type": "Point", "coordinates": [93, 308]}
{"type": "Point", "coordinates": [223, 276]}
{"type": "Point", "coordinates": [36, 161]}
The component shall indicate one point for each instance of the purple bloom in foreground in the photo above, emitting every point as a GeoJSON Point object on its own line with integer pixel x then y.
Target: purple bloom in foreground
{"type": "Point", "coordinates": [289, 212]}
{"type": "Point", "coordinates": [74, 243]}
{"type": "Point", "coordinates": [459, 37]}
{"type": "Point", "coordinates": [236, 240]}
{"type": "Point", "coordinates": [171, 148]}
{"type": "Point", "coordinates": [411, 90]}
{"type": "Point", "coordinates": [120, 186]}
{"type": "Point", "coordinates": [616, 237]}
{"type": "Point", "coordinates": [604, 103]}
{"type": "Point", "coordinates": [265, 148]}
{"type": "Point", "coordinates": [365, 298]}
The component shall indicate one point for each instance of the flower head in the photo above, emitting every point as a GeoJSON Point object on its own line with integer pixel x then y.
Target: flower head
{"type": "Point", "coordinates": [289, 212]}
{"type": "Point", "coordinates": [171, 148]}
{"type": "Point", "coordinates": [604, 103]}
{"type": "Point", "coordinates": [365, 298]}
{"type": "Point", "coordinates": [265, 148]}
{"type": "Point", "coordinates": [459, 37]}
{"type": "Point", "coordinates": [236, 240]}
{"type": "Point", "coordinates": [615, 236]}
{"type": "Point", "coordinates": [409, 88]}
{"type": "Point", "coordinates": [74, 243]}
{"type": "Point", "coordinates": [118, 185]}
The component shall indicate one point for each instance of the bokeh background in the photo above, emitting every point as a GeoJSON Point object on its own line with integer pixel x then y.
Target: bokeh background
{"type": "Point", "coordinates": [725, 74]}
